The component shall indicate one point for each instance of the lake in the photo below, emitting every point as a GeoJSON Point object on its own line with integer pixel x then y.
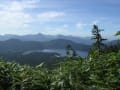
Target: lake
{"type": "Point", "coordinates": [62, 52]}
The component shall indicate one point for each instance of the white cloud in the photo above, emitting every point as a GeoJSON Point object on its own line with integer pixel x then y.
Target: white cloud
{"type": "Point", "coordinates": [80, 25]}
{"type": "Point", "coordinates": [19, 5]}
{"type": "Point", "coordinates": [13, 15]}
{"type": "Point", "coordinates": [13, 7]}
{"type": "Point", "coordinates": [30, 3]}
{"type": "Point", "coordinates": [50, 16]}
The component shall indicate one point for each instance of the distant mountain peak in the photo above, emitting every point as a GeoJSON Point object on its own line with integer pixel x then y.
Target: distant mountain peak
{"type": "Point", "coordinates": [44, 37]}
{"type": "Point", "coordinates": [39, 34]}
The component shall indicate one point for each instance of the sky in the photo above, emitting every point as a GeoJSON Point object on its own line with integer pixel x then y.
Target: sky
{"type": "Point", "coordinates": [53, 17]}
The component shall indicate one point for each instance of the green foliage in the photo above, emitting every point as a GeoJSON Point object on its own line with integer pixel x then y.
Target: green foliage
{"type": "Point", "coordinates": [117, 34]}
{"type": "Point", "coordinates": [112, 48]}
{"type": "Point", "coordinates": [96, 72]}
{"type": "Point", "coordinates": [32, 59]}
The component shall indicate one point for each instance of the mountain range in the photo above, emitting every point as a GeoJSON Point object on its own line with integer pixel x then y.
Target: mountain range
{"type": "Point", "coordinates": [16, 49]}
{"type": "Point", "coordinates": [42, 37]}
{"type": "Point", "coordinates": [10, 42]}
{"type": "Point", "coordinates": [15, 45]}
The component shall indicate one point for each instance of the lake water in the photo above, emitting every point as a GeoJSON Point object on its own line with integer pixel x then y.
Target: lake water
{"type": "Point", "coordinates": [62, 52]}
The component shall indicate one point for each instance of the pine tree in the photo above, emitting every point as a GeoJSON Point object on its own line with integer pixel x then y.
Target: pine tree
{"type": "Point", "coordinates": [74, 53]}
{"type": "Point", "coordinates": [98, 44]}
{"type": "Point", "coordinates": [69, 49]}
{"type": "Point", "coordinates": [118, 41]}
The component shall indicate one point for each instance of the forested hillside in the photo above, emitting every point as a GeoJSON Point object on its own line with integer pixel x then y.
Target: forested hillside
{"type": "Point", "coordinates": [32, 59]}
{"type": "Point", "coordinates": [15, 45]}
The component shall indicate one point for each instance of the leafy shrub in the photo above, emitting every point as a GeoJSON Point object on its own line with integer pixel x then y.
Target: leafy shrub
{"type": "Point", "coordinates": [96, 72]}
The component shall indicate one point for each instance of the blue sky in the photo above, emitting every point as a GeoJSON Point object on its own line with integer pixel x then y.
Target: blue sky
{"type": "Point", "coordinates": [67, 17]}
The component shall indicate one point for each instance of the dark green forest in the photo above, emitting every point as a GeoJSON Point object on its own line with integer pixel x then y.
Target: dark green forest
{"type": "Point", "coordinates": [99, 70]}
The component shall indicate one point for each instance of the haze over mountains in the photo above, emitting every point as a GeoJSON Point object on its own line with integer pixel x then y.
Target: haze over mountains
{"type": "Point", "coordinates": [42, 37]}
{"type": "Point", "coordinates": [40, 41]}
